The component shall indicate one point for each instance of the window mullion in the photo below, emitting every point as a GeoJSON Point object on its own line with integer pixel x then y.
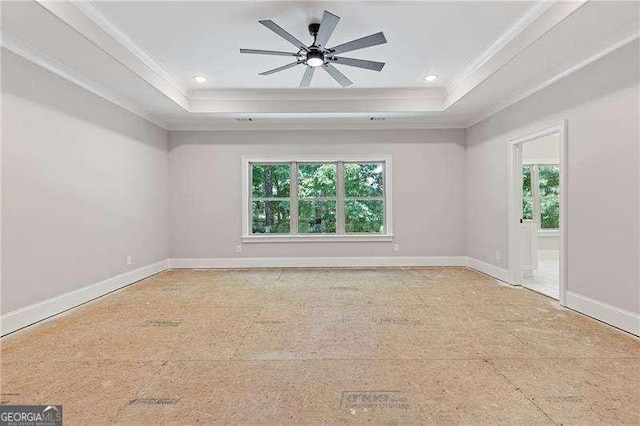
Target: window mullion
{"type": "Point", "coordinates": [384, 198]}
{"type": "Point", "coordinates": [250, 203]}
{"type": "Point", "coordinates": [340, 229]}
{"type": "Point", "coordinates": [293, 198]}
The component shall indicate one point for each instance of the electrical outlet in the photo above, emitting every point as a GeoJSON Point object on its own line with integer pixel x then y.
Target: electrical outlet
{"type": "Point", "coordinates": [238, 249]}
{"type": "Point", "coordinates": [396, 247]}
{"type": "Point", "coordinates": [497, 255]}
{"type": "Point", "coordinates": [129, 260]}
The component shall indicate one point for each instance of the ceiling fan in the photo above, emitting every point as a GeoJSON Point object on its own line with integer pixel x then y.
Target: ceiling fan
{"type": "Point", "coordinates": [318, 55]}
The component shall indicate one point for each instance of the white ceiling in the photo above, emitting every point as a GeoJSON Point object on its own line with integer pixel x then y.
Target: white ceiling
{"type": "Point", "coordinates": [142, 56]}
{"type": "Point", "coordinates": [203, 38]}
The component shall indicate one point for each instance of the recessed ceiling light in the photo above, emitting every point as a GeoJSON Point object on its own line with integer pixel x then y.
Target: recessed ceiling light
{"type": "Point", "coordinates": [199, 79]}
{"type": "Point", "coordinates": [431, 77]}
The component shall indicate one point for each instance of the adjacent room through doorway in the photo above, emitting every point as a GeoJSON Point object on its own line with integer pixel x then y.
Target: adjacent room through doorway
{"type": "Point", "coordinates": [541, 213]}
{"type": "Point", "coordinates": [537, 210]}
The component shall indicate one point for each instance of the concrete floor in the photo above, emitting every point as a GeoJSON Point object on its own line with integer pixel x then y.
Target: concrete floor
{"type": "Point", "coordinates": [417, 345]}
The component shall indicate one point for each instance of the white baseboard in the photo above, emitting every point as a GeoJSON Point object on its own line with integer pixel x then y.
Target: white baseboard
{"type": "Point", "coordinates": [617, 317]}
{"type": "Point", "coordinates": [15, 320]}
{"type": "Point", "coordinates": [32, 314]}
{"type": "Point", "coordinates": [315, 262]}
{"type": "Point", "coordinates": [23, 317]}
{"type": "Point", "coordinates": [487, 268]}
{"type": "Point", "coordinates": [333, 262]}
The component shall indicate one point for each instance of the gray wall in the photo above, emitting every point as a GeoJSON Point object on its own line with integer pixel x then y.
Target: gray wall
{"type": "Point", "coordinates": [600, 104]}
{"type": "Point", "coordinates": [84, 184]}
{"type": "Point", "coordinates": [428, 190]}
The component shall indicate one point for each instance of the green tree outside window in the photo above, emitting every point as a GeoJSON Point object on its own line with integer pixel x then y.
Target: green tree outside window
{"type": "Point", "coordinates": [362, 201]}
{"type": "Point", "coordinates": [547, 178]}
{"type": "Point", "coordinates": [270, 209]}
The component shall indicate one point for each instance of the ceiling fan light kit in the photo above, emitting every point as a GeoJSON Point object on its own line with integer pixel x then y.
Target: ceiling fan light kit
{"type": "Point", "coordinates": [315, 58]}
{"type": "Point", "coordinates": [317, 55]}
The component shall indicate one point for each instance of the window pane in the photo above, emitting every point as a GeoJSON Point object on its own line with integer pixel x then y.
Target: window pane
{"type": "Point", "coordinates": [527, 208]}
{"type": "Point", "coordinates": [316, 217]}
{"type": "Point", "coordinates": [364, 216]}
{"type": "Point", "coordinates": [270, 217]}
{"type": "Point", "coordinates": [549, 180]}
{"type": "Point", "coordinates": [363, 180]}
{"type": "Point", "coordinates": [550, 212]}
{"type": "Point", "coordinates": [526, 181]}
{"type": "Point", "coordinates": [317, 180]}
{"type": "Point", "coordinates": [270, 180]}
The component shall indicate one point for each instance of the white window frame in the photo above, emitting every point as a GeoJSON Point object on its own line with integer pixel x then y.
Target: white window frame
{"type": "Point", "coordinates": [248, 237]}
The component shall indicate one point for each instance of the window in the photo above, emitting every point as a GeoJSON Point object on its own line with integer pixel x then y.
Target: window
{"type": "Point", "coordinates": [270, 206]}
{"type": "Point", "coordinates": [316, 199]}
{"type": "Point", "coordinates": [541, 194]}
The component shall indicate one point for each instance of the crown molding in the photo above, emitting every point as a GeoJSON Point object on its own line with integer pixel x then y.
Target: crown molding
{"type": "Point", "coordinates": [107, 38]}
{"type": "Point", "coordinates": [327, 106]}
{"type": "Point", "coordinates": [625, 36]}
{"type": "Point", "coordinates": [93, 13]}
{"type": "Point", "coordinates": [526, 30]}
{"type": "Point", "coordinates": [307, 94]}
{"type": "Point", "coordinates": [217, 101]}
{"type": "Point", "coordinates": [316, 125]}
{"type": "Point", "coordinates": [337, 107]}
{"type": "Point", "coordinates": [26, 51]}
{"type": "Point", "coordinates": [545, 21]}
{"type": "Point", "coordinates": [284, 101]}
{"type": "Point", "coordinates": [528, 18]}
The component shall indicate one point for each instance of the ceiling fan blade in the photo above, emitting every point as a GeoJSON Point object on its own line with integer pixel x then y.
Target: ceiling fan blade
{"type": "Point", "coordinates": [328, 24]}
{"type": "Point", "coordinates": [267, 52]}
{"type": "Point", "coordinates": [306, 78]}
{"type": "Point", "coordinates": [284, 34]}
{"type": "Point", "coordinates": [359, 63]}
{"type": "Point", "coordinates": [361, 43]}
{"type": "Point", "coordinates": [282, 68]}
{"type": "Point", "coordinates": [337, 75]}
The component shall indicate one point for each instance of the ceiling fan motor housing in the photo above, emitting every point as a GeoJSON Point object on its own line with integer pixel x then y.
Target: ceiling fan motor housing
{"type": "Point", "coordinates": [315, 57]}
{"type": "Point", "coordinates": [314, 28]}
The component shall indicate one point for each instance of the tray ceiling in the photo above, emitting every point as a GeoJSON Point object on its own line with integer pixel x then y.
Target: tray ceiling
{"type": "Point", "coordinates": [203, 38]}
{"type": "Point", "coordinates": [142, 56]}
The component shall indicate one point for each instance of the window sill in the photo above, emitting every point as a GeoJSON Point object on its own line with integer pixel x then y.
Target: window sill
{"type": "Point", "coordinates": [314, 238]}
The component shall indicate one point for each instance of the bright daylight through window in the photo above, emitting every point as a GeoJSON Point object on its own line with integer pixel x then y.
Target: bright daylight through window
{"type": "Point", "coordinates": [541, 194]}
{"type": "Point", "coordinates": [316, 198]}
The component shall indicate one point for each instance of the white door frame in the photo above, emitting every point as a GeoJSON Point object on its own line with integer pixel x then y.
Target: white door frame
{"type": "Point", "coordinates": [515, 200]}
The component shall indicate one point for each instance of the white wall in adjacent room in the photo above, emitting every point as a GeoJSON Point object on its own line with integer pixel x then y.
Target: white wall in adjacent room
{"type": "Point", "coordinates": [84, 185]}
{"type": "Point", "coordinates": [428, 190]}
{"type": "Point", "coordinates": [543, 150]}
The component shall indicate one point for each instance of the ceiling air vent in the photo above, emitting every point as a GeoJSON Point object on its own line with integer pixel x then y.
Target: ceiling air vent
{"type": "Point", "coordinates": [377, 118]}
{"type": "Point", "coordinates": [244, 119]}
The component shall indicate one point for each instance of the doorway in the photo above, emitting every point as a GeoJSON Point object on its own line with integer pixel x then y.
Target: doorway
{"type": "Point", "coordinates": [537, 211]}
